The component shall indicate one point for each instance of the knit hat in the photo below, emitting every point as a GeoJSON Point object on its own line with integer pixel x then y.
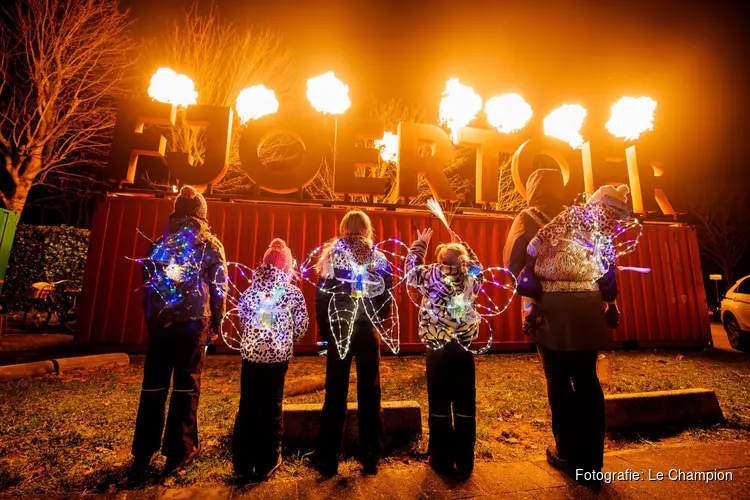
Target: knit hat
{"type": "Point", "coordinates": [190, 203]}
{"type": "Point", "coordinates": [610, 194]}
{"type": "Point", "coordinates": [279, 255]}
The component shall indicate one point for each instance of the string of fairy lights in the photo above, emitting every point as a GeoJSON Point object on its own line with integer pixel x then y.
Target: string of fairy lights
{"type": "Point", "coordinates": [173, 266]}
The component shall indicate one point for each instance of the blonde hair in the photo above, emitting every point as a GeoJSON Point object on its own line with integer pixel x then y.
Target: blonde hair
{"type": "Point", "coordinates": [356, 223]}
{"type": "Point", "coordinates": [450, 253]}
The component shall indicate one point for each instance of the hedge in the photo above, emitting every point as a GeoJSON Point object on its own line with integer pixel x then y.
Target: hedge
{"type": "Point", "coordinates": [44, 253]}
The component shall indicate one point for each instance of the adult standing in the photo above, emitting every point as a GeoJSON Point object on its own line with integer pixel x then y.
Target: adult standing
{"type": "Point", "coordinates": [569, 332]}
{"type": "Point", "coordinates": [184, 294]}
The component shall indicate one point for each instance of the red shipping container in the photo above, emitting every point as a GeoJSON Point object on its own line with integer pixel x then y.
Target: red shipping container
{"type": "Point", "coordinates": [665, 308]}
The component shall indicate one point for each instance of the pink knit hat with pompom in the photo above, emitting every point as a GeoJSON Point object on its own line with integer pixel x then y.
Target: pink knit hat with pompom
{"type": "Point", "coordinates": [279, 255]}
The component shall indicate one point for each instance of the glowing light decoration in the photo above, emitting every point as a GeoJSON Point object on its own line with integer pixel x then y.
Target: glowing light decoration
{"type": "Point", "coordinates": [254, 102]}
{"type": "Point", "coordinates": [631, 116]}
{"type": "Point", "coordinates": [459, 106]}
{"type": "Point", "coordinates": [357, 288]}
{"type": "Point", "coordinates": [328, 94]}
{"type": "Point", "coordinates": [388, 146]}
{"type": "Point", "coordinates": [172, 88]}
{"type": "Point", "coordinates": [565, 123]}
{"type": "Point", "coordinates": [508, 113]}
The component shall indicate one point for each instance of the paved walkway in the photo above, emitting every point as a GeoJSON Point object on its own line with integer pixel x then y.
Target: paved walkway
{"type": "Point", "coordinates": [513, 481]}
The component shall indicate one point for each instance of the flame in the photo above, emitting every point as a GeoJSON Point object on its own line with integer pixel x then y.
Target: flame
{"type": "Point", "coordinates": [631, 116]}
{"type": "Point", "coordinates": [254, 102]}
{"type": "Point", "coordinates": [328, 94]}
{"type": "Point", "coordinates": [169, 87]}
{"type": "Point", "coordinates": [565, 123]}
{"type": "Point", "coordinates": [388, 146]}
{"type": "Point", "coordinates": [459, 106]}
{"type": "Point", "coordinates": [508, 113]}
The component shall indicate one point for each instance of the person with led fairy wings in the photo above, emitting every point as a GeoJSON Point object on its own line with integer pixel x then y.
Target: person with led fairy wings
{"type": "Point", "coordinates": [560, 273]}
{"type": "Point", "coordinates": [274, 317]}
{"type": "Point", "coordinates": [353, 300]}
{"type": "Point", "coordinates": [448, 324]}
{"type": "Point", "coordinates": [184, 293]}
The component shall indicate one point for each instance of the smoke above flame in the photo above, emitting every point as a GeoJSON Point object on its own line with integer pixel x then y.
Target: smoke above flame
{"type": "Point", "coordinates": [254, 102]}
{"type": "Point", "coordinates": [565, 123]}
{"type": "Point", "coordinates": [508, 113]}
{"type": "Point", "coordinates": [388, 146]}
{"type": "Point", "coordinates": [171, 88]}
{"type": "Point", "coordinates": [328, 94]}
{"type": "Point", "coordinates": [459, 106]}
{"type": "Point", "coordinates": [631, 116]}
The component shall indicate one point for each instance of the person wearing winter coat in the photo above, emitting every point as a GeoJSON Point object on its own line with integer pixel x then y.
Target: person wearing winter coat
{"type": "Point", "coordinates": [184, 295]}
{"type": "Point", "coordinates": [571, 330]}
{"type": "Point", "coordinates": [448, 324]}
{"type": "Point", "coordinates": [353, 295]}
{"type": "Point", "coordinates": [579, 230]}
{"type": "Point", "coordinates": [274, 317]}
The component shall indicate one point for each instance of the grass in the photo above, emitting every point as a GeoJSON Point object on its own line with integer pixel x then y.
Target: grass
{"type": "Point", "coordinates": [72, 432]}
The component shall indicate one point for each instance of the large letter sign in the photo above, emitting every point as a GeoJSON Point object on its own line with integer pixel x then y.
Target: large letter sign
{"type": "Point", "coordinates": [423, 151]}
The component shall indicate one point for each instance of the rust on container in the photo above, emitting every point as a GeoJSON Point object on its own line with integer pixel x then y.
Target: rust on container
{"type": "Point", "coordinates": [665, 308]}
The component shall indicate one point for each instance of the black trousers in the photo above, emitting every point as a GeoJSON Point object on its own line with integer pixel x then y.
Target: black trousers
{"type": "Point", "coordinates": [365, 349]}
{"type": "Point", "coordinates": [577, 403]}
{"type": "Point", "coordinates": [452, 398]}
{"type": "Point", "coordinates": [256, 442]}
{"type": "Point", "coordinates": [174, 352]}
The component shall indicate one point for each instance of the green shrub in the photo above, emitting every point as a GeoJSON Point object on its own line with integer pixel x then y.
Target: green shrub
{"type": "Point", "coordinates": [44, 253]}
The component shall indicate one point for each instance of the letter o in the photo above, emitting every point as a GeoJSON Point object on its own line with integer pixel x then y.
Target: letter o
{"type": "Point", "coordinates": [523, 159]}
{"type": "Point", "coordinates": [290, 180]}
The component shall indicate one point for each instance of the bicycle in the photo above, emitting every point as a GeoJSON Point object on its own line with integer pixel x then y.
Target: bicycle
{"type": "Point", "coordinates": [46, 299]}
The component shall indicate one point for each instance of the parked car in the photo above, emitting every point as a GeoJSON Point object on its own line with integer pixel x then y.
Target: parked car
{"type": "Point", "coordinates": [735, 314]}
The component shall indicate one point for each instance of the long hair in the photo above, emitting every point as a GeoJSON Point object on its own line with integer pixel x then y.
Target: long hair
{"type": "Point", "coordinates": [356, 223]}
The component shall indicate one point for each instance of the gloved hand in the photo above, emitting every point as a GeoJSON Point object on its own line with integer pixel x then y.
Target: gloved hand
{"type": "Point", "coordinates": [533, 247]}
{"type": "Point", "coordinates": [613, 315]}
{"type": "Point", "coordinates": [531, 319]}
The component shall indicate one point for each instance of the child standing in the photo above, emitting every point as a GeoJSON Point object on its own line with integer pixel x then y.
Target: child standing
{"type": "Point", "coordinates": [346, 305]}
{"type": "Point", "coordinates": [273, 317]}
{"type": "Point", "coordinates": [448, 324]}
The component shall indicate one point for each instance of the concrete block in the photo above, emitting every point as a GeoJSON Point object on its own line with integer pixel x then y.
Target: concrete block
{"type": "Point", "coordinates": [643, 409]}
{"type": "Point", "coordinates": [26, 370]}
{"type": "Point", "coordinates": [403, 425]}
{"type": "Point", "coordinates": [93, 361]}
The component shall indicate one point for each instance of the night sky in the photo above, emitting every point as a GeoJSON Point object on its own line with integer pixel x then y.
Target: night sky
{"type": "Point", "coordinates": [689, 56]}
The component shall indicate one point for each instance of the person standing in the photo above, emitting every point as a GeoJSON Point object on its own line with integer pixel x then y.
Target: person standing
{"type": "Point", "coordinates": [273, 317]}
{"type": "Point", "coordinates": [184, 296]}
{"type": "Point", "coordinates": [448, 324]}
{"type": "Point", "coordinates": [570, 330]}
{"type": "Point", "coordinates": [345, 310]}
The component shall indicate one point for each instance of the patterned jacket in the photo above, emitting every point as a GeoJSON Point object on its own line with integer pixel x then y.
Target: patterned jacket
{"type": "Point", "coordinates": [184, 275]}
{"type": "Point", "coordinates": [337, 285]}
{"type": "Point", "coordinates": [448, 294]}
{"type": "Point", "coordinates": [573, 245]}
{"type": "Point", "coordinates": [273, 315]}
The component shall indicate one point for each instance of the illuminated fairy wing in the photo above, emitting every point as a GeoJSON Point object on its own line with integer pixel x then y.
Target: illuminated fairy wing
{"type": "Point", "coordinates": [498, 287]}
{"type": "Point", "coordinates": [342, 311]}
{"type": "Point", "coordinates": [231, 329]}
{"type": "Point", "coordinates": [396, 252]}
{"type": "Point", "coordinates": [386, 323]}
{"type": "Point", "coordinates": [238, 279]}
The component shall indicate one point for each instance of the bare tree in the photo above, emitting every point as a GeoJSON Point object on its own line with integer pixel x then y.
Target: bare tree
{"type": "Point", "coordinates": [62, 67]}
{"type": "Point", "coordinates": [222, 59]}
{"type": "Point", "coordinates": [391, 113]}
{"type": "Point", "coordinates": [723, 229]}
{"type": "Point", "coordinates": [508, 197]}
